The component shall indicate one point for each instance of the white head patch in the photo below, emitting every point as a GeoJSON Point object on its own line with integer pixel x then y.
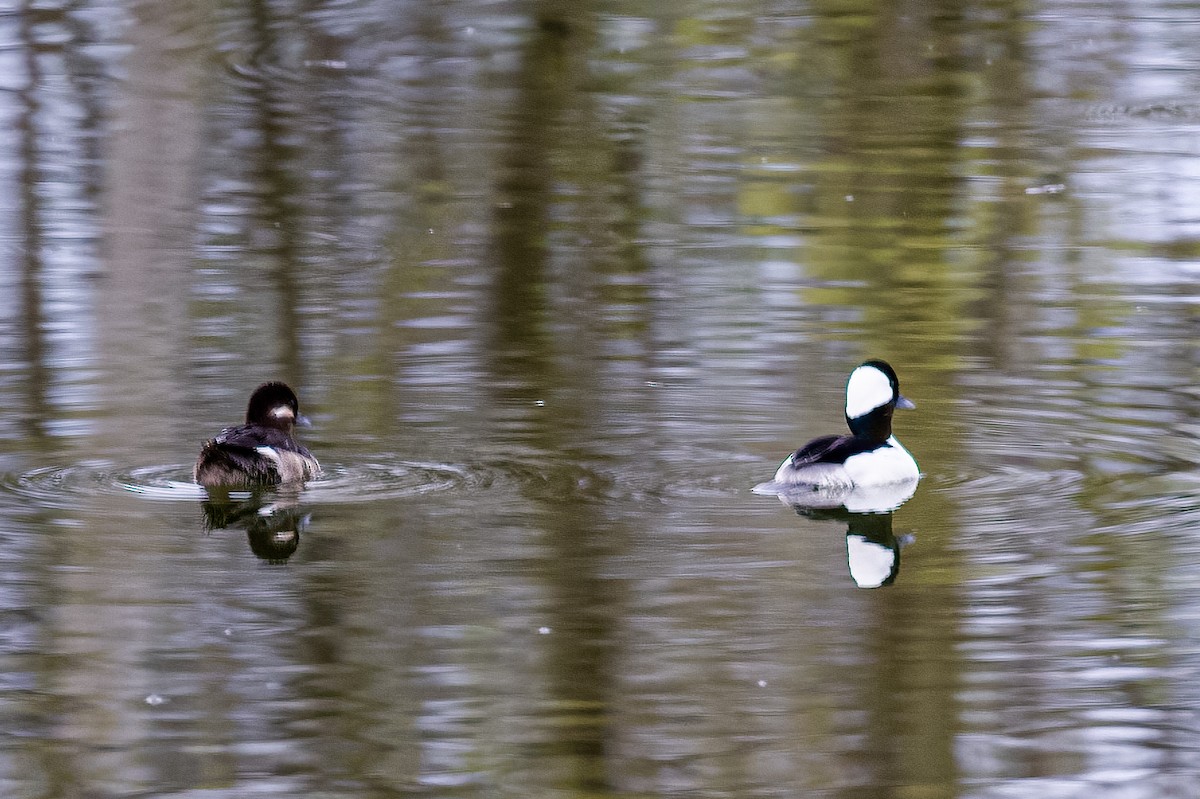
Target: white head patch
{"type": "Point", "coordinates": [282, 412]}
{"type": "Point", "coordinates": [867, 389]}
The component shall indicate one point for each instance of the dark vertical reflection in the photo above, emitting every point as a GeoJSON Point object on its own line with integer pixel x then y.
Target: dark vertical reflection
{"type": "Point", "coordinates": [31, 717]}
{"type": "Point", "coordinates": [525, 368]}
{"type": "Point", "coordinates": [520, 307]}
{"type": "Point", "coordinates": [278, 190]}
{"type": "Point", "coordinates": [1004, 224]}
{"type": "Point", "coordinates": [32, 325]}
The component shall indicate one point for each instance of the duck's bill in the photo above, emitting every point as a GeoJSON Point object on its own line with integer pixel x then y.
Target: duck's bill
{"type": "Point", "coordinates": [905, 403]}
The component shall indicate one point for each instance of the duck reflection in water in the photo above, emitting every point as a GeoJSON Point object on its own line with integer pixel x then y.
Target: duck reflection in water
{"type": "Point", "coordinates": [872, 549]}
{"type": "Point", "coordinates": [273, 520]}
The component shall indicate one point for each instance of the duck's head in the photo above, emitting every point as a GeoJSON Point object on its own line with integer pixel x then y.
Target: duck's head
{"type": "Point", "coordinates": [274, 404]}
{"type": "Point", "coordinates": [872, 395]}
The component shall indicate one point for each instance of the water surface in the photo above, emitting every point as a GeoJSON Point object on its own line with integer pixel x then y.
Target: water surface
{"type": "Point", "coordinates": [558, 284]}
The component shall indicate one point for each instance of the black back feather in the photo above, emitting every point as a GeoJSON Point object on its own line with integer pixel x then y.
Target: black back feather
{"type": "Point", "coordinates": [833, 450]}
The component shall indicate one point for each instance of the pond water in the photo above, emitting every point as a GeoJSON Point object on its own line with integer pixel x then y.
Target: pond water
{"type": "Point", "coordinates": [558, 284]}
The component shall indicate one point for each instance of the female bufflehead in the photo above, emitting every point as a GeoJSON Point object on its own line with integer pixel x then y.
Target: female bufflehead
{"type": "Point", "coordinates": [871, 456]}
{"type": "Point", "coordinates": [261, 451]}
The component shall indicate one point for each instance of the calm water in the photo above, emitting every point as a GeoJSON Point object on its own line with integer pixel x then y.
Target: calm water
{"type": "Point", "coordinates": [558, 284]}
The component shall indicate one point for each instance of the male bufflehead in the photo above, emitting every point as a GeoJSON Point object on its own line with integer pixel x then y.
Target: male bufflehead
{"type": "Point", "coordinates": [261, 451]}
{"type": "Point", "coordinates": [871, 456]}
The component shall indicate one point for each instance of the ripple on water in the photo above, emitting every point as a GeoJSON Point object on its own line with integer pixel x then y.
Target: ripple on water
{"type": "Point", "coordinates": [1127, 503]}
{"type": "Point", "coordinates": [690, 475]}
{"type": "Point", "coordinates": [385, 478]}
{"type": "Point", "coordinates": [1014, 481]}
{"type": "Point", "coordinates": [77, 484]}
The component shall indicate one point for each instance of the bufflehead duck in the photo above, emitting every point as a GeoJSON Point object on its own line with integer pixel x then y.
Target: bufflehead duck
{"type": "Point", "coordinates": [871, 455]}
{"type": "Point", "coordinates": [261, 451]}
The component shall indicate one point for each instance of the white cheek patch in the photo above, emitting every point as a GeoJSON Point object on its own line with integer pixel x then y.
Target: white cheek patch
{"type": "Point", "coordinates": [867, 389]}
{"type": "Point", "coordinates": [282, 412]}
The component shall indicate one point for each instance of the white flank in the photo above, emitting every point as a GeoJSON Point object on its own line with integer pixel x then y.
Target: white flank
{"type": "Point", "coordinates": [883, 466]}
{"type": "Point", "coordinates": [867, 389]}
{"type": "Point", "coordinates": [824, 475]}
{"type": "Point", "coordinates": [269, 452]}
